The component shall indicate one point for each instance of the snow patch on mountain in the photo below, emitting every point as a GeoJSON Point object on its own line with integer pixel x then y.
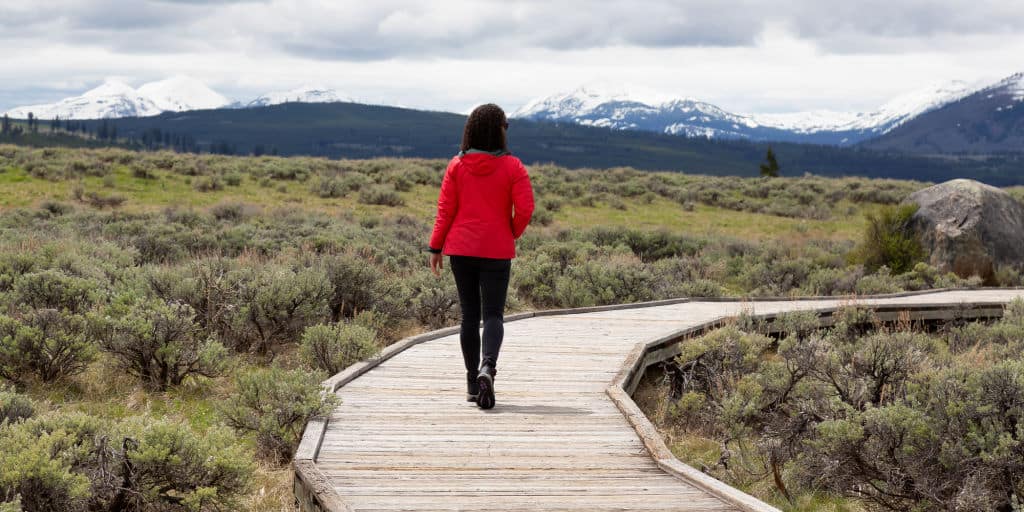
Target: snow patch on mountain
{"type": "Point", "coordinates": [908, 106]}
{"type": "Point", "coordinates": [890, 115]}
{"type": "Point", "coordinates": [180, 93]}
{"type": "Point", "coordinates": [585, 99]}
{"type": "Point", "coordinates": [304, 94]}
{"type": "Point", "coordinates": [695, 131]}
{"type": "Point", "coordinates": [1012, 86]}
{"type": "Point", "coordinates": [806, 122]}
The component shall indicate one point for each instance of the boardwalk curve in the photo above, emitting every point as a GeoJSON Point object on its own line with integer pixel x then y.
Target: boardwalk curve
{"type": "Point", "coordinates": [565, 434]}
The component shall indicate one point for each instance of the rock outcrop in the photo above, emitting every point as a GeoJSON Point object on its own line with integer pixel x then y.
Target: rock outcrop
{"type": "Point", "coordinates": [969, 228]}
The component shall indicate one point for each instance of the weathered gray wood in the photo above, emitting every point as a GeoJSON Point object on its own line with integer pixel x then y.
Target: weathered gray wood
{"type": "Point", "coordinates": [565, 434]}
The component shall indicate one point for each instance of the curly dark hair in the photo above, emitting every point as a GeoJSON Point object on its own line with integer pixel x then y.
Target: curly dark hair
{"type": "Point", "coordinates": [485, 129]}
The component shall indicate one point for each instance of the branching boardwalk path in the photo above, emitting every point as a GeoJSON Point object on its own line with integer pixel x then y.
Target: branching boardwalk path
{"type": "Point", "coordinates": [563, 436]}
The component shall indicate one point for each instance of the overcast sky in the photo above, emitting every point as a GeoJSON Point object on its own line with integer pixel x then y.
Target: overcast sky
{"type": "Point", "coordinates": [743, 55]}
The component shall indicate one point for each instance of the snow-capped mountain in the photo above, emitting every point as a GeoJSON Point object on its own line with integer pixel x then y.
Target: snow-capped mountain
{"type": "Point", "coordinates": [111, 99]}
{"type": "Point", "coordinates": [693, 118]}
{"type": "Point", "coordinates": [304, 94]}
{"type": "Point", "coordinates": [115, 99]}
{"type": "Point", "coordinates": [987, 120]}
{"type": "Point", "coordinates": [890, 115]}
{"type": "Point", "coordinates": [595, 106]}
{"type": "Point", "coordinates": [180, 93]}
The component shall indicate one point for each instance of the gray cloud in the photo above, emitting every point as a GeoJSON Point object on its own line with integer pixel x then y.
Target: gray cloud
{"type": "Point", "coordinates": [755, 54]}
{"type": "Point", "coordinates": [459, 28]}
{"type": "Point", "coordinates": [878, 25]}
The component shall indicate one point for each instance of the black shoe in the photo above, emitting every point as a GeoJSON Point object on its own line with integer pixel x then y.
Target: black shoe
{"type": "Point", "coordinates": [486, 382]}
{"type": "Point", "coordinates": [472, 391]}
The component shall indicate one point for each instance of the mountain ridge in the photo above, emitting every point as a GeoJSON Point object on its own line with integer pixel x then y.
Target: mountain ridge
{"type": "Point", "coordinates": [115, 99]}
{"type": "Point", "coordinates": [590, 106]}
{"type": "Point", "coordinates": [990, 120]}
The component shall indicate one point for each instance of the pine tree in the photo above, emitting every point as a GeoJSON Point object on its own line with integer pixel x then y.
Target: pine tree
{"type": "Point", "coordinates": [54, 124]}
{"type": "Point", "coordinates": [770, 167]}
{"type": "Point", "coordinates": [31, 121]}
{"type": "Point", "coordinates": [5, 125]}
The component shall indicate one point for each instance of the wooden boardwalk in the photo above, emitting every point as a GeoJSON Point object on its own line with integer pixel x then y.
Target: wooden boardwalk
{"type": "Point", "coordinates": [564, 434]}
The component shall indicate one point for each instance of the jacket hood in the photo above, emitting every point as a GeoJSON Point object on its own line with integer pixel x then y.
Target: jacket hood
{"type": "Point", "coordinates": [480, 162]}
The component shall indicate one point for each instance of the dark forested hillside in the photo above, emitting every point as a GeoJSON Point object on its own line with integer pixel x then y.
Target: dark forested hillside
{"type": "Point", "coordinates": [351, 130]}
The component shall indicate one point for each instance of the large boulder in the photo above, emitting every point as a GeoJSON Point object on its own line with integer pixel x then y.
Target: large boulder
{"type": "Point", "coordinates": [969, 228]}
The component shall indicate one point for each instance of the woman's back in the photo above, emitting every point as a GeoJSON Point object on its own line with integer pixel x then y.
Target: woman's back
{"type": "Point", "coordinates": [478, 196]}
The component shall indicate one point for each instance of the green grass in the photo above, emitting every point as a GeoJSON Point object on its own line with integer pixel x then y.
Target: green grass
{"type": "Point", "coordinates": [168, 189]}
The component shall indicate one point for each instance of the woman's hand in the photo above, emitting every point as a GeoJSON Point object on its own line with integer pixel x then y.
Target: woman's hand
{"type": "Point", "coordinates": [436, 263]}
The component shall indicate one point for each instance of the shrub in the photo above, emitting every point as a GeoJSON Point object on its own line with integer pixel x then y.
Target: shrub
{"type": "Point", "coordinates": [533, 279]}
{"type": "Point", "coordinates": [334, 347]}
{"type": "Point", "coordinates": [95, 199]}
{"type": "Point", "coordinates": [15, 407]}
{"type": "Point", "coordinates": [432, 302]}
{"type": "Point", "coordinates": [542, 217]}
{"type": "Point", "coordinates": [386, 327]}
{"type": "Point", "coordinates": [356, 285]}
{"type": "Point", "coordinates": [833, 281]}
{"type": "Point", "coordinates": [889, 241]}
{"type": "Point", "coordinates": [143, 171]}
{"type": "Point", "coordinates": [327, 187]}
{"type": "Point", "coordinates": [233, 179]}
{"type": "Point", "coordinates": [55, 289]}
{"type": "Point", "coordinates": [37, 468]}
{"type": "Point", "coordinates": [176, 469]}
{"type": "Point", "coordinates": [276, 305]}
{"type": "Point", "coordinates": [776, 277]}
{"type": "Point", "coordinates": [74, 462]}
{"type": "Point", "coordinates": [208, 184]}
{"type": "Point", "coordinates": [45, 344]}
{"type": "Point", "coordinates": [924, 276]}
{"type": "Point", "coordinates": [233, 212]}
{"type": "Point", "coordinates": [552, 204]}
{"type": "Point", "coordinates": [354, 182]}
{"type": "Point", "coordinates": [160, 343]}
{"type": "Point", "coordinates": [382, 195]}
{"type": "Point", "coordinates": [56, 208]}
{"type": "Point", "coordinates": [619, 279]}
{"type": "Point", "coordinates": [881, 281]}
{"type": "Point", "coordinates": [401, 183]}
{"type": "Point", "coordinates": [275, 405]}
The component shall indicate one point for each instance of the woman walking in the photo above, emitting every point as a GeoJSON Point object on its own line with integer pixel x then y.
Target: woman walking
{"type": "Point", "coordinates": [485, 204]}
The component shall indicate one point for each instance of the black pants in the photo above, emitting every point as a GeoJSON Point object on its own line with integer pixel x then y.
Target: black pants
{"type": "Point", "coordinates": [483, 285]}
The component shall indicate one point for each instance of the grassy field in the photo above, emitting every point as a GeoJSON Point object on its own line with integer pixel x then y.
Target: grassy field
{"type": "Point", "coordinates": [135, 227]}
{"type": "Point", "coordinates": [22, 190]}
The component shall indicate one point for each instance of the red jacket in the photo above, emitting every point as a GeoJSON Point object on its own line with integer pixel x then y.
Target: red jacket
{"type": "Point", "coordinates": [485, 204]}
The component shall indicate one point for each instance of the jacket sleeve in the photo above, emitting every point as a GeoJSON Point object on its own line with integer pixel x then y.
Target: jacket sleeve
{"type": "Point", "coordinates": [447, 205]}
{"type": "Point", "coordinates": [522, 201]}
